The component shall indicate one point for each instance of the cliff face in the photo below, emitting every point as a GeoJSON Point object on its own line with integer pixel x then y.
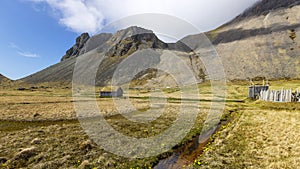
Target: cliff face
{"type": "Point", "coordinates": [75, 50]}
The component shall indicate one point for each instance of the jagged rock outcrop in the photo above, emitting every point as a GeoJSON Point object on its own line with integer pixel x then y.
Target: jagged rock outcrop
{"type": "Point", "coordinates": [136, 42]}
{"type": "Point", "coordinates": [75, 50]}
{"type": "Point", "coordinates": [128, 32]}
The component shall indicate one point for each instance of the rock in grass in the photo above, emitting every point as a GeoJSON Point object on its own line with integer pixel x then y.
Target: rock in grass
{"type": "Point", "coordinates": [3, 160]}
{"type": "Point", "coordinates": [84, 165]}
{"type": "Point", "coordinates": [25, 154]}
{"type": "Point", "coordinates": [36, 115]}
{"type": "Point", "coordinates": [86, 145]}
{"type": "Point", "coordinates": [36, 141]}
{"type": "Point", "coordinates": [109, 163]}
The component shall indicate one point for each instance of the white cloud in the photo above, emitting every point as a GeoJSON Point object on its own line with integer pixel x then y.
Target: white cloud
{"type": "Point", "coordinates": [91, 15]}
{"type": "Point", "coordinates": [22, 52]}
{"type": "Point", "coordinates": [77, 15]}
{"type": "Point", "coordinates": [28, 54]}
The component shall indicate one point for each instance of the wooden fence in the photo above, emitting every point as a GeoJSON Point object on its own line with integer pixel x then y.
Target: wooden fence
{"type": "Point", "coordinates": [254, 90]}
{"type": "Point", "coordinates": [280, 95]}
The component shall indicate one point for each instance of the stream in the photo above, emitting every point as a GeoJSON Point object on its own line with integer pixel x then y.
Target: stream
{"type": "Point", "coordinates": [186, 154]}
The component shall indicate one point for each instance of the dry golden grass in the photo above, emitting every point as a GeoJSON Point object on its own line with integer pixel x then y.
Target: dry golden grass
{"type": "Point", "coordinates": [258, 139]}
{"type": "Point", "coordinates": [264, 135]}
{"type": "Point", "coordinates": [261, 135]}
{"type": "Point", "coordinates": [53, 104]}
{"type": "Point", "coordinates": [58, 137]}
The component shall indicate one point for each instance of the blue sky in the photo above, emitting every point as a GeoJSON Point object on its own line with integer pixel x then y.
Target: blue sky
{"type": "Point", "coordinates": [30, 40]}
{"type": "Point", "coordinates": [35, 34]}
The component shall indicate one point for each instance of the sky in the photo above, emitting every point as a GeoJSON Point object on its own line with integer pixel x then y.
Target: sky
{"type": "Point", "coordinates": [36, 33]}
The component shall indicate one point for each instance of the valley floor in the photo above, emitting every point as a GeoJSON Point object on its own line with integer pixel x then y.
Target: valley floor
{"type": "Point", "coordinates": [39, 129]}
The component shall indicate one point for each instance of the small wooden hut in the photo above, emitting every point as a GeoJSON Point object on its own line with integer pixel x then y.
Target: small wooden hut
{"type": "Point", "coordinates": [111, 91]}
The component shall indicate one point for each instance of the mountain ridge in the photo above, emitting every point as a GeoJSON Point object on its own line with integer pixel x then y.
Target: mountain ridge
{"type": "Point", "coordinates": [263, 7]}
{"type": "Point", "coordinates": [3, 78]}
{"type": "Point", "coordinates": [85, 42]}
{"type": "Point", "coordinates": [116, 47]}
{"type": "Point", "coordinates": [256, 45]}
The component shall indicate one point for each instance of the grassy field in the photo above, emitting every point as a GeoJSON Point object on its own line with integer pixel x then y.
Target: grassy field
{"type": "Point", "coordinates": [39, 129]}
{"type": "Point", "coordinates": [260, 137]}
{"type": "Point", "coordinates": [263, 135]}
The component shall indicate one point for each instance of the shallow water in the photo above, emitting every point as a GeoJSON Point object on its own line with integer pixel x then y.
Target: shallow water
{"type": "Point", "coordinates": [186, 154]}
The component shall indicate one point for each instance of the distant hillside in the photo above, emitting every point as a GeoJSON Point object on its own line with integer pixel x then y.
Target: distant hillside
{"type": "Point", "coordinates": [3, 78]}
{"type": "Point", "coordinates": [263, 41]}
{"type": "Point", "coordinates": [264, 7]}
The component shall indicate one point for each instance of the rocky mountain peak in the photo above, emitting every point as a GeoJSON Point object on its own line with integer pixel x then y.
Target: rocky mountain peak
{"type": "Point", "coordinates": [85, 43]}
{"type": "Point", "coordinates": [123, 42]}
{"type": "Point", "coordinates": [82, 38]}
{"type": "Point", "coordinates": [130, 44]}
{"type": "Point", "coordinates": [75, 50]}
{"type": "Point", "coordinates": [128, 32]}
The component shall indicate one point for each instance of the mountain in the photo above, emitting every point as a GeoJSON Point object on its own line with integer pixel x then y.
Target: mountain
{"type": "Point", "coordinates": [264, 41]}
{"type": "Point", "coordinates": [3, 78]}
{"type": "Point", "coordinates": [261, 42]}
{"type": "Point", "coordinates": [119, 43]}
{"type": "Point", "coordinates": [264, 7]}
{"type": "Point", "coordinates": [127, 41]}
{"type": "Point", "coordinates": [116, 47]}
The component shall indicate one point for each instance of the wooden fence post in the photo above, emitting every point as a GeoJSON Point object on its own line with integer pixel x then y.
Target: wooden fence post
{"type": "Point", "coordinates": [281, 95]}
{"type": "Point", "coordinates": [297, 95]}
{"type": "Point", "coordinates": [290, 95]}
{"type": "Point", "coordinates": [271, 96]}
